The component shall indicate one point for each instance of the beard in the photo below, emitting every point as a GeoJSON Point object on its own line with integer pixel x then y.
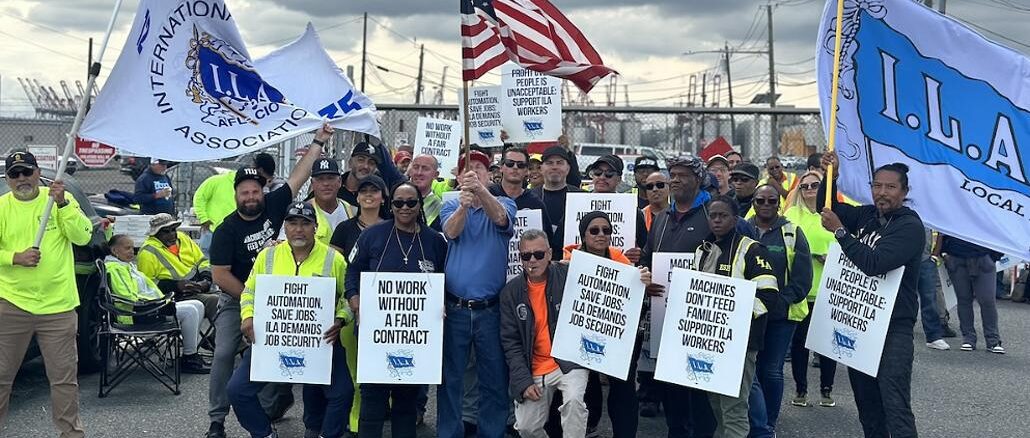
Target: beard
{"type": "Point", "coordinates": [251, 210]}
{"type": "Point", "coordinates": [25, 191]}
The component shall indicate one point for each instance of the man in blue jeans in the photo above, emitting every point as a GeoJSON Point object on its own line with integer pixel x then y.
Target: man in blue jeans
{"type": "Point", "coordinates": [928, 281]}
{"type": "Point", "coordinates": [478, 227]}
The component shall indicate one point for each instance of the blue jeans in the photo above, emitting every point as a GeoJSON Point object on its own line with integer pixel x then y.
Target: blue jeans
{"type": "Point", "coordinates": [478, 329]}
{"type": "Point", "coordinates": [928, 281]}
{"type": "Point", "coordinates": [325, 417]}
{"type": "Point", "coordinates": [767, 389]}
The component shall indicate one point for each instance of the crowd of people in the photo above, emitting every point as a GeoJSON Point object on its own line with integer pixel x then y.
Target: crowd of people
{"type": "Point", "coordinates": [387, 213]}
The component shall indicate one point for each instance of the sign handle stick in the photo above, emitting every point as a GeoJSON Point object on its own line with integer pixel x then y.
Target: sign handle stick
{"type": "Point", "coordinates": [80, 113]}
{"type": "Point", "coordinates": [465, 111]}
{"type": "Point", "coordinates": [835, 90]}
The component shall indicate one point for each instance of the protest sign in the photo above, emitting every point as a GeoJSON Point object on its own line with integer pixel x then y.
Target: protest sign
{"type": "Point", "coordinates": [620, 207]}
{"type": "Point", "coordinates": [947, 287]}
{"type": "Point", "coordinates": [707, 326]}
{"type": "Point", "coordinates": [524, 220]}
{"type": "Point", "coordinates": [851, 313]}
{"type": "Point", "coordinates": [400, 335]}
{"type": "Point", "coordinates": [530, 105]}
{"type": "Point", "coordinates": [441, 139]}
{"type": "Point", "coordinates": [600, 311]}
{"type": "Point", "coordinates": [484, 115]}
{"type": "Point", "coordinates": [662, 264]}
{"type": "Point", "coordinates": [291, 314]}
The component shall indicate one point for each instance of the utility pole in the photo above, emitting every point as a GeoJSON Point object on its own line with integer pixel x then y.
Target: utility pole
{"type": "Point", "coordinates": [729, 90]}
{"type": "Point", "coordinates": [418, 86]}
{"type": "Point", "coordinates": [944, 7]}
{"type": "Point", "coordinates": [364, 51]}
{"type": "Point", "coordinates": [773, 132]}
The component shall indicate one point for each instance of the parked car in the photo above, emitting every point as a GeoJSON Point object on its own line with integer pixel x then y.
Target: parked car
{"type": "Point", "coordinates": [587, 153]}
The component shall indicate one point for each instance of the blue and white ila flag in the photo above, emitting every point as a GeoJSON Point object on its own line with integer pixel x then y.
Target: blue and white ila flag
{"type": "Point", "coordinates": [304, 71]}
{"type": "Point", "coordinates": [184, 88]}
{"type": "Point", "coordinates": [922, 89]}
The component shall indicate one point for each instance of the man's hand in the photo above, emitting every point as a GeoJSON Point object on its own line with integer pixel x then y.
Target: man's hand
{"type": "Point", "coordinates": [533, 392]}
{"type": "Point", "coordinates": [645, 275]}
{"type": "Point", "coordinates": [57, 192]}
{"type": "Point", "coordinates": [28, 258]}
{"type": "Point", "coordinates": [830, 220]}
{"type": "Point", "coordinates": [470, 182]}
{"type": "Point", "coordinates": [820, 258]}
{"type": "Point", "coordinates": [354, 303]}
{"type": "Point", "coordinates": [467, 199]}
{"type": "Point", "coordinates": [325, 133]}
{"type": "Point", "coordinates": [654, 290]}
{"type": "Point", "coordinates": [633, 254]}
{"type": "Point", "coordinates": [203, 286]}
{"type": "Point", "coordinates": [247, 327]}
{"type": "Point", "coordinates": [206, 226]}
{"type": "Point", "coordinates": [830, 159]}
{"type": "Point", "coordinates": [333, 334]}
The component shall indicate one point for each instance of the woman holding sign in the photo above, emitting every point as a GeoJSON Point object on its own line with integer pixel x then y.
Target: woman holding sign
{"type": "Point", "coordinates": [728, 253]}
{"type": "Point", "coordinates": [403, 244]}
{"type": "Point", "coordinates": [878, 239]}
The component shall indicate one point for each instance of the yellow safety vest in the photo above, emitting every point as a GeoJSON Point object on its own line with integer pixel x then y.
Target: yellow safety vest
{"type": "Point", "coordinates": [278, 260]}
{"type": "Point", "coordinates": [738, 263]}
{"type": "Point", "coordinates": [158, 263]}
{"type": "Point", "coordinates": [128, 283]}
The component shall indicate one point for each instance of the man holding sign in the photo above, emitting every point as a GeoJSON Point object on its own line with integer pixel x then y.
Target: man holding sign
{"type": "Point", "coordinates": [325, 407]}
{"type": "Point", "coordinates": [878, 239]}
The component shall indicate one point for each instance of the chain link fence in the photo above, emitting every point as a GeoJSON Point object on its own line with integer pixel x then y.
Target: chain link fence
{"type": "Point", "coordinates": [671, 130]}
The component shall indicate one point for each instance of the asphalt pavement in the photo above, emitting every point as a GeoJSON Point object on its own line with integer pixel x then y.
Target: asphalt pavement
{"type": "Point", "coordinates": [954, 394]}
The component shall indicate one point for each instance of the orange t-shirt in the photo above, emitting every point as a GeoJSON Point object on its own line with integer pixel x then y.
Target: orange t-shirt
{"type": "Point", "coordinates": [543, 363]}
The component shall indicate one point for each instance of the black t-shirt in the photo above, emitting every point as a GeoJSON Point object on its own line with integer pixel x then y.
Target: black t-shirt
{"type": "Point", "coordinates": [554, 214]}
{"type": "Point", "coordinates": [237, 242]}
{"type": "Point", "coordinates": [345, 236]}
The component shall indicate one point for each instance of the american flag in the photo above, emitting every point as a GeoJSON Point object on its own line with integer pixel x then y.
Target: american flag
{"type": "Point", "coordinates": [531, 33]}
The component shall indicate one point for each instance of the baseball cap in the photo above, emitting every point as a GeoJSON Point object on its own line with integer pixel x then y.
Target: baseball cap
{"type": "Point", "coordinates": [611, 160]}
{"type": "Point", "coordinates": [718, 158]}
{"type": "Point", "coordinates": [366, 149]}
{"type": "Point", "coordinates": [302, 210]}
{"type": "Point", "coordinates": [476, 156]}
{"type": "Point", "coordinates": [20, 159]}
{"type": "Point", "coordinates": [248, 173]}
{"type": "Point", "coordinates": [749, 170]}
{"type": "Point", "coordinates": [373, 180]}
{"type": "Point", "coordinates": [645, 162]}
{"type": "Point", "coordinates": [401, 156]}
{"type": "Point", "coordinates": [555, 151]}
{"type": "Point", "coordinates": [325, 166]}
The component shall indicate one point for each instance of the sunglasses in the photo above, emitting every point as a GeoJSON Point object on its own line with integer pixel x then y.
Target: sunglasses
{"type": "Point", "coordinates": [20, 172]}
{"type": "Point", "coordinates": [766, 201]}
{"type": "Point", "coordinates": [742, 179]}
{"type": "Point", "coordinates": [527, 256]}
{"type": "Point", "coordinates": [513, 163]}
{"type": "Point", "coordinates": [811, 186]}
{"type": "Point", "coordinates": [652, 186]}
{"type": "Point", "coordinates": [598, 230]}
{"type": "Point", "coordinates": [606, 173]}
{"type": "Point", "coordinates": [410, 203]}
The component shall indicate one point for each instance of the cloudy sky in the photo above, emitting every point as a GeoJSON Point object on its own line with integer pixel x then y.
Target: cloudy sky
{"type": "Point", "coordinates": [645, 40]}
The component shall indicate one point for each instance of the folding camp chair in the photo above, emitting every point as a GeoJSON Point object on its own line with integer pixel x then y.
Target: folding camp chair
{"type": "Point", "coordinates": [152, 341]}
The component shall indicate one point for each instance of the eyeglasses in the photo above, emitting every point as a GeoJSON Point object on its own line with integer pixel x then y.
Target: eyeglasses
{"type": "Point", "coordinates": [597, 173]}
{"type": "Point", "coordinates": [810, 186]}
{"type": "Point", "coordinates": [766, 201]}
{"type": "Point", "coordinates": [513, 163]}
{"type": "Point", "coordinates": [652, 186]}
{"type": "Point", "coordinates": [527, 256]}
{"type": "Point", "coordinates": [399, 203]}
{"type": "Point", "coordinates": [598, 230]}
{"type": "Point", "coordinates": [19, 172]}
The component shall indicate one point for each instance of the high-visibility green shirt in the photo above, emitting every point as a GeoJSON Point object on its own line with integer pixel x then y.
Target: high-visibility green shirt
{"type": "Point", "coordinates": [127, 282]}
{"type": "Point", "coordinates": [49, 287]}
{"type": "Point", "coordinates": [215, 199]}
{"type": "Point", "coordinates": [283, 263]}
{"type": "Point", "coordinates": [819, 240]}
{"type": "Point", "coordinates": [158, 263]}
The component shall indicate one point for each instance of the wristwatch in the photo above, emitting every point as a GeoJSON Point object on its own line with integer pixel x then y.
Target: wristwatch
{"type": "Point", "coordinates": [839, 233]}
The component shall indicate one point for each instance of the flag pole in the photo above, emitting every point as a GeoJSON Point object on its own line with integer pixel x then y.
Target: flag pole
{"type": "Point", "coordinates": [465, 112]}
{"type": "Point", "coordinates": [835, 89]}
{"type": "Point", "coordinates": [80, 113]}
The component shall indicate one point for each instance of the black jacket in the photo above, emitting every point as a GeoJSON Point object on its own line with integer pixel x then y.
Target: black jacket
{"type": "Point", "coordinates": [518, 330]}
{"type": "Point", "coordinates": [795, 283]}
{"type": "Point", "coordinates": [557, 235]}
{"type": "Point", "coordinates": [880, 244]}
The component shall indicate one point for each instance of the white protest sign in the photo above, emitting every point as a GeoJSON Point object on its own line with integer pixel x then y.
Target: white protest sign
{"type": "Point", "coordinates": [947, 287]}
{"type": "Point", "coordinates": [439, 138]}
{"type": "Point", "coordinates": [484, 115]}
{"type": "Point", "coordinates": [707, 326]}
{"type": "Point", "coordinates": [600, 311]}
{"type": "Point", "coordinates": [290, 316]}
{"type": "Point", "coordinates": [620, 207]}
{"type": "Point", "coordinates": [662, 264]}
{"type": "Point", "coordinates": [400, 335]}
{"type": "Point", "coordinates": [524, 220]}
{"type": "Point", "coordinates": [851, 313]}
{"type": "Point", "coordinates": [46, 155]}
{"type": "Point", "coordinates": [530, 105]}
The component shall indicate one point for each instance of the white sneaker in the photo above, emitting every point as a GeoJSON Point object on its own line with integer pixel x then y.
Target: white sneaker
{"type": "Point", "coordinates": [968, 347]}
{"type": "Point", "coordinates": [938, 345]}
{"type": "Point", "coordinates": [997, 349]}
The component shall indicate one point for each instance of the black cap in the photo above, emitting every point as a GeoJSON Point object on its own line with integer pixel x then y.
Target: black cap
{"type": "Point", "coordinates": [611, 160]}
{"type": "Point", "coordinates": [302, 210]}
{"type": "Point", "coordinates": [20, 159]}
{"type": "Point", "coordinates": [366, 149]}
{"type": "Point", "coordinates": [589, 217]}
{"type": "Point", "coordinates": [746, 169]}
{"type": "Point", "coordinates": [325, 166]}
{"type": "Point", "coordinates": [249, 173]}
{"type": "Point", "coordinates": [555, 151]}
{"type": "Point", "coordinates": [645, 162]}
{"type": "Point", "coordinates": [373, 180]}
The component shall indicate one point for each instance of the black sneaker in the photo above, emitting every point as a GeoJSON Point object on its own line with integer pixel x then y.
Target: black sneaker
{"type": "Point", "coordinates": [949, 333]}
{"type": "Point", "coordinates": [215, 430]}
{"type": "Point", "coordinates": [193, 364]}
